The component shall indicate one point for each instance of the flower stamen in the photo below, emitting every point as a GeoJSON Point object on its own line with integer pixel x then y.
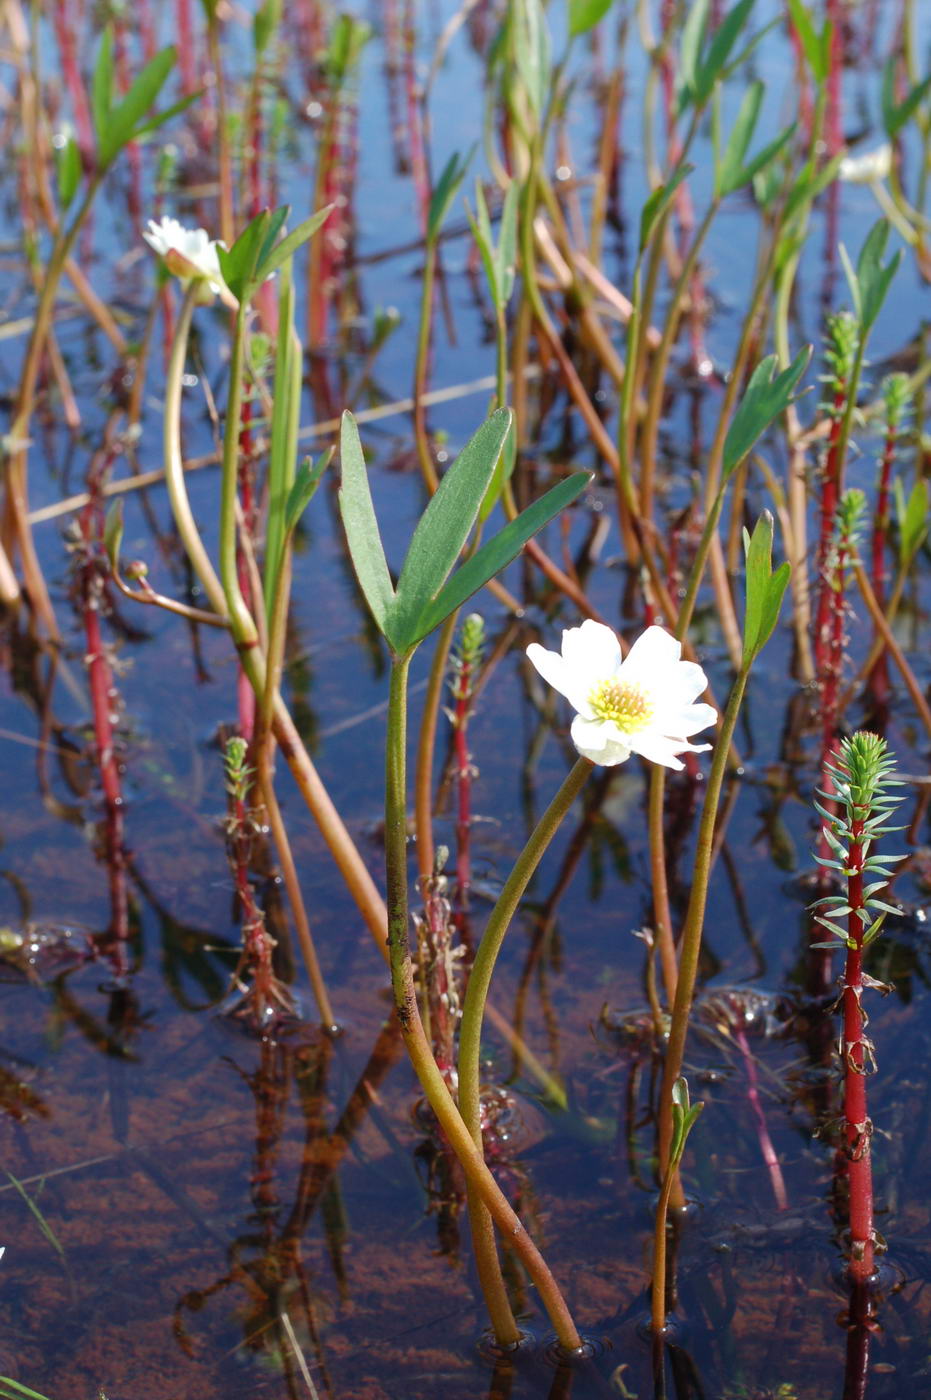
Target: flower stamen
{"type": "Point", "coordinates": [624, 703]}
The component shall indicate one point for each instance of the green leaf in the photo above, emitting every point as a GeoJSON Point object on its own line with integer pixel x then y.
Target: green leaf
{"type": "Point", "coordinates": [693, 37]}
{"type": "Point", "coordinates": [266, 21]}
{"type": "Point", "coordinates": [68, 170]}
{"type": "Point", "coordinates": [658, 202]}
{"type": "Point", "coordinates": [764, 157]}
{"type": "Point", "coordinates": [445, 525]}
{"type": "Point", "coordinates": [145, 129]}
{"type": "Point", "coordinates": [503, 472]}
{"type": "Point", "coordinates": [506, 257]}
{"type": "Point", "coordinates": [728, 177]}
{"type": "Point", "coordinates": [113, 532]}
{"type": "Point", "coordinates": [585, 14]}
{"type": "Point", "coordinates": [870, 282]}
{"type": "Point", "coordinates": [532, 51]}
{"type": "Point", "coordinates": [348, 39]}
{"type": "Point", "coordinates": [913, 519]}
{"type": "Point", "coordinates": [725, 37]}
{"type": "Point", "coordinates": [765, 589]}
{"type": "Point", "coordinates": [309, 476]}
{"type": "Point", "coordinates": [498, 552]}
{"type": "Point", "coordinates": [445, 192]}
{"type": "Point", "coordinates": [358, 516]}
{"type": "Point", "coordinates": [242, 263]}
{"type": "Point", "coordinates": [102, 88]}
{"type": "Point", "coordinates": [897, 115]}
{"type": "Point", "coordinates": [280, 252]}
{"type": "Point", "coordinates": [12, 1390]}
{"type": "Point", "coordinates": [815, 46]}
{"type": "Point", "coordinates": [766, 396]}
{"type": "Point", "coordinates": [121, 126]}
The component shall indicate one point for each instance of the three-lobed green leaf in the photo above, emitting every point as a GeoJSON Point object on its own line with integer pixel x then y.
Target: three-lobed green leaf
{"type": "Point", "coordinates": [869, 282]}
{"type": "Point", "coordinates": [427, 590]}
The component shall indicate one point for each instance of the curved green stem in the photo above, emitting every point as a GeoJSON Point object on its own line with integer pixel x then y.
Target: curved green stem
{"type": "Point", "coordinates": [692, 929]}
{"type": "Point", "coordinates": [470, 1033]}
{"type": "Point", "coordinates": [479, 1178]}
{"type": "Point", "coordinates": [174, 465]}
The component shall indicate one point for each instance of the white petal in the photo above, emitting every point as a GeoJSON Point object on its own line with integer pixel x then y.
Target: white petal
{"type": "Point", "coordinates": [687, 720]}
{"type": "Point", "coordinates": [691, 681]}
{"type": "Point", "coordinates": [658, 749]}
{"type": "Point", "coordinates": [599, 742]}
{"type": "Point", "coordinates": [551, 667]}
{"type": "Point", "coordinates": [653, 653]}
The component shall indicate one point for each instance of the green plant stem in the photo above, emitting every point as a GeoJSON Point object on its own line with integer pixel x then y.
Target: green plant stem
{"type": "Point", "coordinates": [658, 1286]}
{"type": "Point", "coordinates": [650, 431]}
{"type": "Point", "coordinates": [426, 746]}
{"type": "Point", "coordinates": [432, 1081]}
{"type": "Point", "coordinates": [470, 1031]}
{"type": "Point", "coordinates": [420, 369]}
{"type": "Point", "coordinates": [16, 522]}
{"type": "Point", "coordinates": [690, 943]}
{"type": "Point", "coordinates": [174, 464]}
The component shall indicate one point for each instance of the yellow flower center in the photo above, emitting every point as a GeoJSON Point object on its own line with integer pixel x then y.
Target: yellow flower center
{"type": "Point", "coordinates": [624, 703]}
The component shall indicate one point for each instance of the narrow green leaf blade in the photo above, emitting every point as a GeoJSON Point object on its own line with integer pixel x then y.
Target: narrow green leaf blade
{"type": "Point", "coordinates": [766, 397]}
{"type": "Point", "coordinates": [585, 14]}
{"type": "Point", "coordinates": [809, 39]}
{"type": "Point", "coordinates": [445, 525]}
{"type": "Point", "coordinates": [726, 35]}
{"type": "Point", "coordinates": [498, 552]}
{"type": "Point", "coordinates": [738, 143]}
{"type": "Point", "coordinates": [358, 516]}
{"type": "Point", "coordinates": [658, 201]}
{"type": "Point", "coordinates": [309, 476]}
{"type": "Point", "coordinates": [121, 128]}
{"type": "Point", "coordinates": [290, 244]}
{"type": "Point", "coordinates": [444, 193]}
{"type": "Point", "coordinates": [68, 170]}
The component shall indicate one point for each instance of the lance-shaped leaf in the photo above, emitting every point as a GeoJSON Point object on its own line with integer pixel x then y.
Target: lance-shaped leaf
{"type": "Point", "coordinates": [532, 50]}
{"type": "Point", "coordinates": [701, 72]}
{"type": "Point", "coordinates": [122, 120]}
{"type": "Point", "coordinates": [765, 589]}
{"type": "Point", "coordinates": [913, 519]}
{"type": "Point", "coordinates": [684, 1116]}
{"type": "Point", "coordinates": [102, 86]}
{"type": "Point", "coordinates": [308, 478]}
{"type": "Point", "coordinates": [869, 283]}
{"type": "Point", "coordinates": [585, 14]}
{"type": "Point", "coordinates": [498, 552]}
{"type": "Point", "coordinates": [278, 253]}
{"type": "Point", "coordinates": [113, 532]}
{"type": "Point", "coordinates": [358, 515]}
{"type": "Point", "coordinates": [816, 45]}
{"type": "Point", "coordinates": [445, 525]}
{"type": "Point", "coordinates": [68, 168]}
{"type": "Point", "coordinates": [658, 202]}
{"type": "Point", "coordinates": [896, 115]}
{"type": "Point", "coordinates": [767, 395]}
{"type": "Point", "coordinates": [444, 192]}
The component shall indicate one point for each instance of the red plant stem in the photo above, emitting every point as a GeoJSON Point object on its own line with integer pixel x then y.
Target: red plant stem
{"type": "Point", "coordinates": [857, 1058]}
{"type": "Point", "coordinates": [415, 131]}
{"type": "Point", "coordinates": [187, 61]}
{"type": "Point", "coordinates": [831, 488]}
{"type": "Point", "coordinates": [860, 1327]}
{"type": "Point", "coordinates": [770, 1156]}
{"type": "Point", "coordinates": [462, 695]}
{"type": "Point", "coordinates": [833, 129]}
{"type": "Point", "coordinates": [257, 946]}
{"type": "Point", "coordinates": [65, 30]}
{"type": "Point", "coordinates": [91, 584]}
{"type": "Point", "coordinates": [879, 676]}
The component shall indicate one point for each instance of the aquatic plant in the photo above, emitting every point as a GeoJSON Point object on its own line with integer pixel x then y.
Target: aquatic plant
{"type": "Point", "coordinates": [861, 779]}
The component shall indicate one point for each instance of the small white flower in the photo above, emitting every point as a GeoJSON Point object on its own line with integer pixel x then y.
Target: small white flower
{"type": "Point", "coordinates": [189, 253]}
{"type": "Point", "coordinates": [642, 704]}
{"type": "Point", "coordinates": [867, 167]}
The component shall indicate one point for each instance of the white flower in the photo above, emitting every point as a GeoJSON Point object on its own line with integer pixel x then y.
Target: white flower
{"type": "Point", "coordinates": [189, 253]}
{"type": "Point", "coordinates": [867, 167]}
{"type": "Point", "coordinates": [643, 704]}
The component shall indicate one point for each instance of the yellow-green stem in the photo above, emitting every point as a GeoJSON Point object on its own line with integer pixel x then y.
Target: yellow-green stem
{"type": "Point", "coordinates": [431, 1079]}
